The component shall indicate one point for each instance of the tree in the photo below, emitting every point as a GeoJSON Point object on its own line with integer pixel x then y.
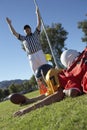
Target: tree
{"type": "Point", "coordinates": [6, 92]}
{"type": "Point", "coordinates": [13, 88]}
{"type": "Point", "coordinates": [26, 86]}
{"type": "Point", "coordinates": [83, 25]}
{"type": "Point", "coordinates": [33, 82]}
{"type": "Point", "coordinates": [57, 36]}
{"type": "Point", "coordinates": [1, 94]}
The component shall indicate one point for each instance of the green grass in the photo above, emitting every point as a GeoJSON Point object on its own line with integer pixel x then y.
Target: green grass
{"type": "Point", "coordinates": [69, 114]}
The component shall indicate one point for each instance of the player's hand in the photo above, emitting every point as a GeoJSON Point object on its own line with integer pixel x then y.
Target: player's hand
{"type": "Point", "coordinates": [8, 20]}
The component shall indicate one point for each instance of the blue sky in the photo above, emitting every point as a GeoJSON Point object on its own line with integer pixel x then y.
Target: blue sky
{"type": "Point", "coordinates": [14, 62]}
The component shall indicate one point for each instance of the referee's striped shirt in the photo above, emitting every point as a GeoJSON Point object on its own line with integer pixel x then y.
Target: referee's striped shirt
{"type": "Point", "coordinates": [33, 41]}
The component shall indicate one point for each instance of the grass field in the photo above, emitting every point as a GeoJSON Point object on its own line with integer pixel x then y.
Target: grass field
{"type": "Point", "coordinates": [68, 114]}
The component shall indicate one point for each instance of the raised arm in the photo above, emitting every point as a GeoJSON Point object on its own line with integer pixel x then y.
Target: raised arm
{"type": "Point", "coordinates": [11, 27]}
{"type": "Point", "coordinates": [38, 19]}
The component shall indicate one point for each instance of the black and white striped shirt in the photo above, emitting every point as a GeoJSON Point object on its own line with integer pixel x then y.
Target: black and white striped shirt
{"type": "Point", "coordinates": [33, 41]}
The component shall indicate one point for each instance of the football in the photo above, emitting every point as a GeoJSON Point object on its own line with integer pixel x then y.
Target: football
{"type": "Point", "coordinates": [17, 98]}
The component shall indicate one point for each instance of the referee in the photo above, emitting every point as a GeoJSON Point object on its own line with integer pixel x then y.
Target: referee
{"type": "Point", "coordinates": [31, 43]}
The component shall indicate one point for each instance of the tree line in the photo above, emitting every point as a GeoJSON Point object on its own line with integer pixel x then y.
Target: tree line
{"type": "Point", "coordinates": [25, 87]}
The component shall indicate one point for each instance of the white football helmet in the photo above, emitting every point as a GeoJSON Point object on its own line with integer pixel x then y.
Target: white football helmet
{"type": "Point", "coordinates": [68, 57]}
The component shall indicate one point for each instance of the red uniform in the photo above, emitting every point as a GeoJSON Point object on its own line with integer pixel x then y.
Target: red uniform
{"type": "Point", "coordinates": [76, 75]}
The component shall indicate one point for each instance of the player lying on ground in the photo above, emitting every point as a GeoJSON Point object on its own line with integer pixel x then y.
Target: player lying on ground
{"type": "Point", "coordinates": [72, 82]}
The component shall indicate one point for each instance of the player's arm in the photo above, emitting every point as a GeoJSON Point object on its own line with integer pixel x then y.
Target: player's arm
{"type": "Point", "coordinates": [12, 28]}
{"type": "Point", "coordinates": [38, 19]}
{"type": "Point", "coordinates": [57, 96]}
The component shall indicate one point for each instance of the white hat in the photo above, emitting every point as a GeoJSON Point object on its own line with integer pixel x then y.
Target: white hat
{"type": "Point", "coordinates": [68, 56]}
